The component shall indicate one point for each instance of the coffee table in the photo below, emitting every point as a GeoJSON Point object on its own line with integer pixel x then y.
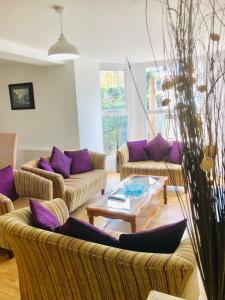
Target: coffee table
{"type": "Point", "coordinates": [132, 206]}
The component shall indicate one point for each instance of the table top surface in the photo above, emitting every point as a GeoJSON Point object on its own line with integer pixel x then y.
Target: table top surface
{"type": "Point", "coordinates": [131, 204]}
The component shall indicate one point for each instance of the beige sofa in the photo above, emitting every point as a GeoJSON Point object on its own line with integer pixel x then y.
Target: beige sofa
{"type": "Point", "coordinates": [28, 185]}
{"type": "Point", "coordinates": [79, 188]}
{"type": "Point", "coordinates": [53, 266]}
{"type": "Point", "coordinates": [149, 167]}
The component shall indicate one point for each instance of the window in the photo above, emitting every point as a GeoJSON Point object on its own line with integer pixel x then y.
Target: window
{"type": "Point", "coordinates": [161, 119]}
{"type": "Point", "coordinates": [114, 110]}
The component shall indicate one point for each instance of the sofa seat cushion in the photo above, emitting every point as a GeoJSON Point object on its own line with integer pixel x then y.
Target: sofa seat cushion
{"type": "Point", "coordinates": [81, 187]}
{"type": "Point", "coordinates": [91, 175]}
{"type": "Point", "coordinates": [151, 167]}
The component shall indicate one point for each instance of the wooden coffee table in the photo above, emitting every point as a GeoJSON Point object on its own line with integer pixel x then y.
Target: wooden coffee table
{"type": "Point", "coordinates": [131, 207]}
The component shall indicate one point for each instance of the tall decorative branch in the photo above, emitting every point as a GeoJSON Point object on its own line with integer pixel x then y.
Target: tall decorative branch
{"type": "Point", "coordinates": [193, 36]}
{"type": "Point", "coordinates": [195, 31]}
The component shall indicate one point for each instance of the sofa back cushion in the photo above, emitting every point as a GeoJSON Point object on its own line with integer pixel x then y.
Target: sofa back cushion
{"type": "Point", "coordinates": [60, 162]}
{"type": "Point", "coordinates": [82, 230]}
{"type": "Point", "coordinates": [175, 154]}
{"type": "Point", "coordinates": [45, 165]}
{"type": "Point", "coordinates": [137, 151]}
{"type": "Point", "coordinates": [7, 183]}
{"type": "Point", "coordinates": [157, 148]}
{"type": "Point", "coordinates": [81, 161]}
{"type": "Point", "coordinates": [42, 217]}
{"type": "Point", "coordinates": [164, 239]}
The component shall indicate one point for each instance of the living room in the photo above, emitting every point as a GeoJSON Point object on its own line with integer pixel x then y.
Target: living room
{"type": "Point", "coordinates": [111, 131]}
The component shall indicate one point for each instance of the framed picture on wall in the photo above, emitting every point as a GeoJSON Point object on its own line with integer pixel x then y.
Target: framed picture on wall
{"type": "Point", "coordinates": [22, 96]}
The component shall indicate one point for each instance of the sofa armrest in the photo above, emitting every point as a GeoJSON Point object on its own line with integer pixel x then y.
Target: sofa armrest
{"type": "Point", "coordinates": [32, 185]}
{"type": "Point", "coordinates": [57, 180]}
{"type": "Point", "coordinates": [122, 157]}
{"type": "Point", "coordinates": [98, 160]}
{"type": "Point", "coordinates": [6, 205]}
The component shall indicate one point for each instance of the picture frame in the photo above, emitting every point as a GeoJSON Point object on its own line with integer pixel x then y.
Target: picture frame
{"type": "Point", "coordinates": [21, 96]}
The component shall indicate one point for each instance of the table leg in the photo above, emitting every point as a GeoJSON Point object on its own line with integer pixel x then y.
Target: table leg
{"type": "Point", "coordinates": [133, 225]}
{"type": "Point", "coordinates": [165, 193]}
{"type": "Point", "coordinates": [91, 220]}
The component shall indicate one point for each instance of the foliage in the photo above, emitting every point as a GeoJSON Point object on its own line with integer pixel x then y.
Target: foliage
{"type": "Point", "coordinates": [113, 98]}
{"type": "Point", "coordinates": [111, 133]}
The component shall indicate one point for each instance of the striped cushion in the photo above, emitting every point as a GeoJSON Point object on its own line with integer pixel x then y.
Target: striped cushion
{"type": "Point", "coordinates": [81, 187]}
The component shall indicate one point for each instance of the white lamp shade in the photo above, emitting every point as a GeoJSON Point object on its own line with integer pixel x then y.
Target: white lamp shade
{"type": "Point", "coordinates": [63, 50]}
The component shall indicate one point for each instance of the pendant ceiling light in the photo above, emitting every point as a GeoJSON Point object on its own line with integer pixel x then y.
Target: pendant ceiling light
{"type": "Point", "coordinates": [62, 49]}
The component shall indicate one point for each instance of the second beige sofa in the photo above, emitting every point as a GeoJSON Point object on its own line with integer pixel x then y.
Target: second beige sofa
{"type": "Point", "coordinates": [79, 188]}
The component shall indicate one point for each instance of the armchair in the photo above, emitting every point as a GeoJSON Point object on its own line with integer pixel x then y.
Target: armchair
{"type": "Point", "coordinates": [28, 185]}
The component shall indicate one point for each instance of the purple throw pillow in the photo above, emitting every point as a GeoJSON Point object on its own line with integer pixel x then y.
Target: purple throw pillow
{"type": "Point", "coordinates": [164, 239]}
{"type": "Point", "coordinates": [44, 165]}
{"type": "Point", "coordinates": [60, 162]}
{"type": "Point", "coordinates": [42, 217]}
{"type": "Point", "coordinates": [157, 148]}
{"type": "Point", "coordinates": [85, 231]}
{"type": "Point", "coordinates": [175, 154]}
{"type": "Point", "coordinates": [137, 151]}
{"type": "Point", "coordinates": [7, 183]}
{"type": "Point", "coordinates": [81, 161]}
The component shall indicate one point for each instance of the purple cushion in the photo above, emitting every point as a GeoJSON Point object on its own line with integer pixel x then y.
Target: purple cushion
{"type": "Point", "coordinates": [60, 162]}
{"type": "Point", "coordinates": [164, 239]}
{"type": "Point", "coordinates": [175, 154]}
{"type": "Point", "coordinates": [45, 165]}
{"type": "Point", "coordinates": [157, 148]}
{"type": "Point", "coordinates": [7, 183]}
{"type": "Point", "coordinates": [42, 217]}
{"type": "Point", "coordinates": [81, 161]}
{"type": "Point", "coordinates": [136, 150]}
{"type": "Point", "coordinates": [85, 231]}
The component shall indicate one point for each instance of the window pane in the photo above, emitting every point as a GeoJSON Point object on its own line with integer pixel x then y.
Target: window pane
{"type": "Point", "coordinates": [114, 110]}
{"type": "Point", "coordinates": [161, 119]}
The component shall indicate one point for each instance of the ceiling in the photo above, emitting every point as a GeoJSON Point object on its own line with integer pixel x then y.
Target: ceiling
{"type": "Point", "coordinates": [103, 30]}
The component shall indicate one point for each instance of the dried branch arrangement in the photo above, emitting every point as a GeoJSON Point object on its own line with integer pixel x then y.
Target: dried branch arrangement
{"type": "Point", "coordinates": [195, 37]}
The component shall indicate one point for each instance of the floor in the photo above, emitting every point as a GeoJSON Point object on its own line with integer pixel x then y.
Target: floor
{"type": "Point", "coordinates": [9, 282]}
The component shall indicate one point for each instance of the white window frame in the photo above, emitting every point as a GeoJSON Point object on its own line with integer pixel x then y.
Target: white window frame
{"type": "Point", "coordinates": [124, 68]}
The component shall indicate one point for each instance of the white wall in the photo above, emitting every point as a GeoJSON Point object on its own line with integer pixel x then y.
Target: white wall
{"type": "Point", "coordinates": [54, 121]}
{"type": "Point", "coordinates": [137, 123]}
{"type": "Point", "coordinates": [88, 104]}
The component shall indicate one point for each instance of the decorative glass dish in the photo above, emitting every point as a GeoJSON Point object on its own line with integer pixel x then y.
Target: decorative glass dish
{"type": "Point", "coordinates": [133, 187]}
